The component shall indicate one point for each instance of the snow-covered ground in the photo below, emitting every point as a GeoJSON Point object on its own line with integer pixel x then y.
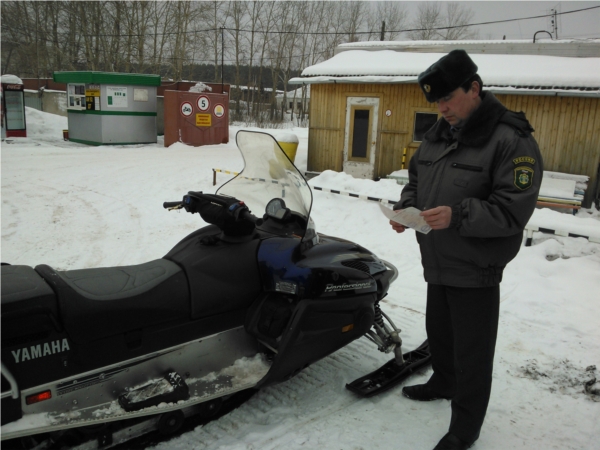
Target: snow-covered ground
{"type": "Point", "coordinates": [73, 206]}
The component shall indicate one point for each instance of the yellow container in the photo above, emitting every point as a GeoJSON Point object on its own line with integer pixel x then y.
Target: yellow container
{"type": "Point", "coordinates": [289, 148]}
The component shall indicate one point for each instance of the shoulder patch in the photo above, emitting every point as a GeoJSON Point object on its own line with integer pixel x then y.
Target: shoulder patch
{"type": "Point", "coordinates": [522, 159]}
{"type": "Point", "coordinates": [523, 177]}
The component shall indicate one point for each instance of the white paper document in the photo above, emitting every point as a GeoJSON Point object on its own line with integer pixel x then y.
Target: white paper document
{"type": "Point", "coordinates": [409, 217]}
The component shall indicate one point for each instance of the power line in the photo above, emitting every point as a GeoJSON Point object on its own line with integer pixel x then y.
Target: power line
{"type": "Point", "coordinates": [333, 33]}
{"type": "Point", "coordinates": [508, 20]}
{"type": "Point", "coordinates": [415, 29]}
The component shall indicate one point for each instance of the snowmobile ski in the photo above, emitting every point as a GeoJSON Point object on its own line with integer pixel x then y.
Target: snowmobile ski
{"type": "Point", "coordinates": [391, 373]}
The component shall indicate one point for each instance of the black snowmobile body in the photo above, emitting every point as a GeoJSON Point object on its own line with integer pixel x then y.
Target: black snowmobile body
{"type": "Point", "coordinates": [82, 347]}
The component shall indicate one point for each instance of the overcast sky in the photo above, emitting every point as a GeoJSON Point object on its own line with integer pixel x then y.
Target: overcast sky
{"type": "Point", "coordinates": [585, 24]}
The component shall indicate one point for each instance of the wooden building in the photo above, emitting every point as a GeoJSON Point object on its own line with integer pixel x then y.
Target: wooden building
{"type": "Point", "coordinates": [368, 114]}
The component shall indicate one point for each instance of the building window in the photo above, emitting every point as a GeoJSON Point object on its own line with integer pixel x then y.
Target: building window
{"type": "Point", "coordinates": [360, 134]}
{"type": "Point", "coordinates": [423, 122]}
{"type": "Point", "coordinates": [76, 96]}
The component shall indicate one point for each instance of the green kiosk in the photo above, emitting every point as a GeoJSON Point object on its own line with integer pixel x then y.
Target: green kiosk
{"type": "Point", "coordinates": [110, 108]}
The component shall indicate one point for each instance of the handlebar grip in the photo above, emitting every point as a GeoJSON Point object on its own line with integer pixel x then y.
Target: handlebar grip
{"type": "Point", "coordinates": [247, 215]}
{"type": "Point", "coordinates": [168, 205]}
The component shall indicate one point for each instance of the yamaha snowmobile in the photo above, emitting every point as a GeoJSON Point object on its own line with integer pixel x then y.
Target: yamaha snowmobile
{"type": "Point", "coordinates": [242, 303]}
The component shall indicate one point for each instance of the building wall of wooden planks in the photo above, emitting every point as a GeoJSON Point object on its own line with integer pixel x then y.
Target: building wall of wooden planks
{"type": "Point", "coordinates": [328, 117]}
{"type": "Point", "coordinates": [567, 128]}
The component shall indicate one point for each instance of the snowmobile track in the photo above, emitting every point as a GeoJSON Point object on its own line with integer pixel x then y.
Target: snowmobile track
{"type": "Point", "coordinates": [315, 395]}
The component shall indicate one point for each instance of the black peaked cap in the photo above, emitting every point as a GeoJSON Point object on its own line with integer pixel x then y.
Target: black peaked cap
{"type": "Point", "coordinates": [446, 75]}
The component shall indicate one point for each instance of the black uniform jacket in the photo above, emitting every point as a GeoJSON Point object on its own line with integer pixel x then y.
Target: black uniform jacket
{"type": "Point", "coordinates": [490, 174]}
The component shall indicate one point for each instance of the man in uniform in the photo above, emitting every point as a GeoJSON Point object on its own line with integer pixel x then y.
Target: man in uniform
{"type": "Point", "coordinates": [476, 178]}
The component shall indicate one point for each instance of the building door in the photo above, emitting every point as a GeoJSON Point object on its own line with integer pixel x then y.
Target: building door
{"type": "Point", "coordinates": [360, 138]}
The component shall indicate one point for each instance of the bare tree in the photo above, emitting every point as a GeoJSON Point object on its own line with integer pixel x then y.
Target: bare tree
{"type": "Point", "coordinates": [352, 15]}
{"type": "Point", "coordinates": [160, 23]}
{"type": "Point", "coordinates": [456, 18]}
{"type": "Point", "coordinates": [311, 18]}
{"type": "Point", "coordinates": [74, 38]}
{"type": "Point", "coordinates": [448, 22]}
{"type": "Point", "coordinates": [214, 19]}
{"type": "Point", "coordinates": [112, 29]}
{"type": "Point", "coordinates": [170, 38]}
{"type": "Point", "coordinates": [428, 18]}
{"type": "Point", "coordinates": [253, 10]}
{"type": "Point", "coordinates": [334, 24]}
{"type": "Point", "coordinates": [237, 19]}
{"type": "Point", "coordinates": [392, 13]}
{"type": "Point", "coordinates": [280, 45]}
{"type": "Point", "coordinates": [19, 35]}
{"type": "Point", "coordinates": [266, 21]}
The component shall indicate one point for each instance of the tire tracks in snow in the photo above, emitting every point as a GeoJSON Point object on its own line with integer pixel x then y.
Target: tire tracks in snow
{"type": "Point", "coordinates": [295, 406]}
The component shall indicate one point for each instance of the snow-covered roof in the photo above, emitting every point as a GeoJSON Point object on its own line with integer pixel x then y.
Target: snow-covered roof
{"type": "Point", "coordinates": [418, 43]}
{"type": "Point", "coordinates": [248, 88]}
{"type": "Point", "coordinates": [562, 47]}
{"type": "Point", "coordinates": [515, 72]}
{"type": "Point", "coordinates": [296, 92]}
{"type": "Point", "coordinates": [11, 79]}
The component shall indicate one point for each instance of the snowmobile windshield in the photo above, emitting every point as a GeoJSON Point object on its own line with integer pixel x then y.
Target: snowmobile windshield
{"type": "Point", "coordinates": [268, 173]}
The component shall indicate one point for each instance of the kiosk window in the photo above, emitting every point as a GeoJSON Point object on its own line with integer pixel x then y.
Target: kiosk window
{"type": "Point", "coordinates": [423, 122]}
{"type": "Point", "coordinates": [76, 96]}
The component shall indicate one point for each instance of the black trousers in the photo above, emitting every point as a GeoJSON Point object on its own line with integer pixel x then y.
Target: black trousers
{"type": "Point", "coordinates": [462, 325]}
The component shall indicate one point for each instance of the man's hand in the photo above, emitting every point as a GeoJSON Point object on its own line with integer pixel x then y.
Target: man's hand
{"type": "Point", "coordinates": [398, 227]}
{"type": "Point", "coordinates": [438, 218]}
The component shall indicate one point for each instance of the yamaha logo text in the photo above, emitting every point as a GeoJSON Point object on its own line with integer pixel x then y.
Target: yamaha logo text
{"type": "Point", "coordinates": [40, 350]}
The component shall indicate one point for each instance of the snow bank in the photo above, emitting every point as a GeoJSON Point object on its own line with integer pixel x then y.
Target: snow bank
{"type": "Point", "coordinates": [42, 125]}
{"type": "Point", "coordinates": [200, 87]}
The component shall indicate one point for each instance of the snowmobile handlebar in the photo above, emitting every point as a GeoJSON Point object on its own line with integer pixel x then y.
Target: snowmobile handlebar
{"type": "Point", "coordinates": [248, 216]}
{"type": "Point", "coordinates": [228, 213]}
{"type": "Point", "coordinates": [172, 205]}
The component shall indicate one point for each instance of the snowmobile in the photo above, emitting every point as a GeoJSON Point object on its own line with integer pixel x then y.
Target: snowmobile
{"type": "Point", "coordinates": [242, 303]}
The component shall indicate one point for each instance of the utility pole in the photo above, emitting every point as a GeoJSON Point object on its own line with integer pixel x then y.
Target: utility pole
{"type": "Point", "coordinates": [382, 31]}
{"type": "Point", "coordinates": [222, 56]}
{"type": "Point", "coordinates": [37, 47]}
{"type": "Point", "coordinates": [554, 22]}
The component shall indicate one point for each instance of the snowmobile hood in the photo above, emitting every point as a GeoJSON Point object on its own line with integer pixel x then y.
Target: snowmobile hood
{"type": "Point", "coordinates": [268, 173]}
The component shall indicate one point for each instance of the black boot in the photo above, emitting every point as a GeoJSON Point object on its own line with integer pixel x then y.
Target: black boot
{"type": "Point", "coordinates": [451, 442]}
{"type": "Point", "coordinates": [421, 392]}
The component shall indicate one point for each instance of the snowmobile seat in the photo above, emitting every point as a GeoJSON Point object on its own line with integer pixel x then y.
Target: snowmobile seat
{"type": "Point", "coordinates": [96, 303]}
{"type": "Point", "coordinates": [25, 293]}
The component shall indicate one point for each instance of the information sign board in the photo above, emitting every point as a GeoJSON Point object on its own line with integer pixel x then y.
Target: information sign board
{"type": "Point", "coordinates": [203, 103]}
{"type": "Point", "coordinates": [116, 96]}
{"type": "Point", "coordinates": [186, 109]}
{"type": "Point", "coordinates": [203, 120]}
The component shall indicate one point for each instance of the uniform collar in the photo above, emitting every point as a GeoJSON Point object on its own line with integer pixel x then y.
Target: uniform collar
{"type": "Point", "coordinates": [477, 130]}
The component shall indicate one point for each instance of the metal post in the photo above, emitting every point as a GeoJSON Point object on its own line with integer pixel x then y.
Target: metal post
{"type": "Point", "coordinates": [222, 56]}
{"type": "Point", "coordinates": [528, 237]}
